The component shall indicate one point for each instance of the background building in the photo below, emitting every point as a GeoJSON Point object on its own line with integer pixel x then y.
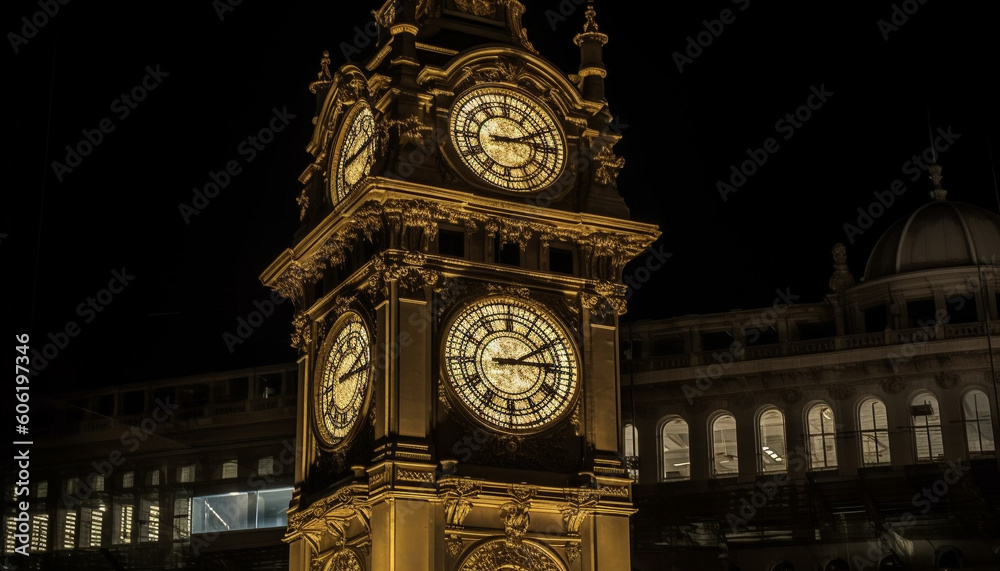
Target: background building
{"type": "Point", "coordinates": [855, 431]}
{"type": "Point", "coordinates": [194, 472]}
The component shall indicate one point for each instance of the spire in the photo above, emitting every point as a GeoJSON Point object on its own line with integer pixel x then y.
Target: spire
{"type": "Point", "coordinates": [937, 193]}
{"type": "Point", "coordinates": [591, 43]}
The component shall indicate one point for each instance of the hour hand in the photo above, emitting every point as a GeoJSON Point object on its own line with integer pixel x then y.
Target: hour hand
{"type": "Point", "coordinates": [505, 361]}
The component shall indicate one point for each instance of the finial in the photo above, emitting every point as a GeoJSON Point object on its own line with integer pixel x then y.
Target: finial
{"type": "Point", "coordinates": [937, 193]}
{"type": "Point", "coordinates": [323, 77]}
{"type": "Point", "coordinates": [841, 278]}
{"type": "Point", "coordinates": [590, 26]}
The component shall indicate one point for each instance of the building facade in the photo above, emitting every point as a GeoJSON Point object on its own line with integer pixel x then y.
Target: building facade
{"type": "Point", "coordinates": [854, 433]}
{"type": "Point", "coordinates": [193, 473]}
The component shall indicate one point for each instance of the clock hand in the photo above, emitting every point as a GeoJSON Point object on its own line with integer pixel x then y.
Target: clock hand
{"type": "Point", "coordinates": [503, 361]}
{"type": "Point", "coordinates": [522, 138]}
{"type": "Point", "coordinates": [361, 148]}
{"type": "Point", "coordinates": [535, 352]}
{"type": "Point", "coordinates": [352, 372]}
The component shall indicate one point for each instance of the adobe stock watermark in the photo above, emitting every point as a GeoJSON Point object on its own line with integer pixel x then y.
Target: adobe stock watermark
{"type": "Point", "coordinates": [245, 327]}
{"type": "Point", "coordinates": [88, 309]}
{"type": "Point", "coordinates": [132, 439]}
{"type": "Point", "coordinates": [924, 500]}
{"type": "Point", "coordinates": [643, 271]}
{"type": "Point", "coordinates": [247, 149]}
{"type": "Point", "coordinates": [121, 107]}
{"type": "Point", "coordinates": [786, 126]}
{"type": "Point", "coordinates": [564, 11]}
{"type": "Point", "coordinates": [363, 37]}
{"type": "Point", "coordinates": [915, 166]}
{"type": "Point", "coordinates": [224, 7]}
{"type": "Point", "coordinates": [899, 16]}
{"type": "Point", "coordinates": [33, 24]}
{"type": "Point", "coordinates": [751, 332]}
{"type": "Point", "coordinates": [697, 44]}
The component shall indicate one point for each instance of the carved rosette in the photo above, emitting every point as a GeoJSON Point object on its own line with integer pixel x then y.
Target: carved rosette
{"type": "Point", "coordinates": [495, 554]}
{"type": "Point", "coordinates": [516, 516]}
{"type": "Point", "coordinates": [947, 380]}
{"type": "Point", "coordinates": [841, 392]}
{"type": "Point", "coordinates": [892, 386]}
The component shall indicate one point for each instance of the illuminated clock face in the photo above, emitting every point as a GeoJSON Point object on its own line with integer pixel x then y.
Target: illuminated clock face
{"type": "Point", "coordinates": [344, 380]}
{"type": "Point", "coordinates": [357, 149]}
{"type": "Point", "coordinates": [510, 364]}
{"type": "Point", "coordinates": [507, 139]}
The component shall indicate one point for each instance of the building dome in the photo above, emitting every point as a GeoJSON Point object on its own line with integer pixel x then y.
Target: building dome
{"type": "Point", "coordinates": [940, 234]}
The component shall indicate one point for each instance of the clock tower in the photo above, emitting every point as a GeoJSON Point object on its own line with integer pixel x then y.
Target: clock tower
{"type": "Point", "coordinates": [457, 279]}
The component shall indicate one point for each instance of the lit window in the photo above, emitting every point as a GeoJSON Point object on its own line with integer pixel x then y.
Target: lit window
{"type": "Point", "coordinates": [822, 437]}
{"type": "Point", "coordinates": [149, 522]}
{"type": "Point", "coordinates": [42, 489]}
{"type": "Point", "coordinates": [725, 459]}
{"type": "Point", "coordinates": [71, 486]}
{"type": "Point", "coordinates": [154, 478]}
{"type": "Point", "coordinates": [8, 539]}
{"type": "Point", "coordinates": [771, 438]}
{"type": "Point", "coordinates": [265, 466]}
{"type": "Point", "coordinates": [123, 524]}
{"type": "Point", "coordinates": [185, 473]}
{"type": "Point", "coordinates": [243, 510]}
{"type": "Point", "coordinates": [97, 483]}
{"type": "Point", "coordinates": [128, 479]}
{"type": "Point", "coordinates": [874, 432]}
{"type": "Point", "coordinates": [91, 525]}
{"type": "Point", "coordinates": [182, 518]}
{"type": "Point", "coordinates": [978, 422]}
{"type": "Point", "coordinates": [39, 532]}
{"type": "Point", "coordinates": [230, 469]}
{"type": "Point", "coordinates": [676, 450]}
{"type": "Point", "coordinates": [68, 530]}
{"type": "Point", "coordinates": [926, 418]}
{"type": "Point", "coordinates": [631, 450]}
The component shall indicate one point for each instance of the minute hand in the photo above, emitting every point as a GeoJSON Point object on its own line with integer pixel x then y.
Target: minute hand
{"type": "Point", "coordinates": [521, 139]}
{"type": "Point", "coordinates": [501, 361]}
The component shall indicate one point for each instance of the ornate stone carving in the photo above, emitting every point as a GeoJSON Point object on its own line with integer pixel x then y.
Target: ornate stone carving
{"type": "Point", "coordinates": [345, 560]}
{"type": "Point", "coordinates": [615, 491]}
{"type": "Point", "coordinates": [323, 77]}
{"type": "Point", "coordinates": [495, 554]}
{"type": "Point", "coordinates": [841, 278]}
{"type": "Point", "coordinates": [415, 476]}
{"type": "Point", "coordinates": [579, 505]}
{"type": "Point", "coordinates": [791, 396]}
{"type": "Point", "coordinates": [572, 552]}
{"type": "Point", "coordinates": [608, 165]}
{"type": "Point", "coordinates": [454, 544]}
{"type": "Point", "coordinates": [892, 386]}
{"type": "Point", "coordinates": [744, 401]}
{"type": "Point", "coordinates": [841, 392]}
{"type": "Point", "coordinates": [947, 380]}
{"type": "Point", "coordinates": [607, 300]}
{"type": "Point", "coordinates": [481, 8]}
{"type": "Point", "coordinates": [458, 494]}
{"type": "Point", "coordinates": [516, 518]}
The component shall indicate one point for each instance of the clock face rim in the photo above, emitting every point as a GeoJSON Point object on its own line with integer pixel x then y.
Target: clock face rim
{"type": "Point", "coordinates": [327, 439]}
{"type": "Point", "coordinates": [501, 126]}
{"type": "Point", "coordinates": [341, 189]}
{"type": "Point", "coordinates": [564, 338]}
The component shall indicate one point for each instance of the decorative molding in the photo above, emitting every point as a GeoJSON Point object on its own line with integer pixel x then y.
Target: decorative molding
{"type": "Point", "coordinates": [579, 505]}
{"type": "Point", "coordinates": [892, 386]}
{"type": "Point", "coordinates": [615, 491]}
{"type": "Point", "coordinates": [841, 392]}
{"type": "Point", "coordinates": [791, 396]}
{"type": "Point", "coordinates": [516, 516]}
{"type": "Point", "coordinates": [947, 380]}
{"type": "Point", "coordinates": [494, 554]}
{"type": "Point", "coordinates": [414, 476]}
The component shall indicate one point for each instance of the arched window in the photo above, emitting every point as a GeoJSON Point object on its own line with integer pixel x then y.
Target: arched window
{"type": "Point", "coordinates": [725, 459]}
{"type": "Point", "coordinates": [676, 450]}
{"type": "Point", "coordinates": [978, 422]}
{"type": "Point", "coordinates": [949, 559]}
{"type": "Point", "coordinates": [631, 451]}
{"type": "Point", "coordinates": [873, 424]}
{"type": "Point", "coordinates": [925, 417]}
{"type": "Point", "coordinates": [771, 436]}
{"type": "Point", "coordinates": [837, 565]}
{"type": "Point", "coordinates": [822, 437]}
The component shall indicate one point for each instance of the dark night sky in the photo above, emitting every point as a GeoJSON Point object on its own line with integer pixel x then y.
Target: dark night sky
{"type": "Point", "coordinates": [221, 79]}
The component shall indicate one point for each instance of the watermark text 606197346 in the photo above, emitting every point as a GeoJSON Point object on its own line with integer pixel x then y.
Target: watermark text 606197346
{"type": "Point", "coordinates": [22, 460]}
